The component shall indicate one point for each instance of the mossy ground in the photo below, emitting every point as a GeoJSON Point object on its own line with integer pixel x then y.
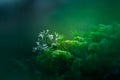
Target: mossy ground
{"type": "Point", "coordinates": [94, 55]}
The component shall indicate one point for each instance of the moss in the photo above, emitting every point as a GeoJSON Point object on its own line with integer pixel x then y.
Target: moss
{"type": "Point", "coordinates": [94, 54]}
{"type": "Point", "coordinates": [53, 62]}
{"type": "Point", "coordinates": [78, 38]}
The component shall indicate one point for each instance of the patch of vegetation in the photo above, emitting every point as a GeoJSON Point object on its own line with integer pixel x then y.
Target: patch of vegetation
{"type": "Point", "coordinates": [94, 55]}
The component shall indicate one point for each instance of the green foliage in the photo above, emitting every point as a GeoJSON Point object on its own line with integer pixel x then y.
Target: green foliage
{"type": "Point", "coordinates": [53, 61]}
{"type": "Point", "coordinates": [80, 39]}
{"type": "Point", "coordinates": [92, 54]}
{"type": "Point", "coordinates": [76, 47]}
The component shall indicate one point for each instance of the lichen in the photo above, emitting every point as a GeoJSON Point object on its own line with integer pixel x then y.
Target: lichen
{"type": "Point", "coordinates": [46, 41]}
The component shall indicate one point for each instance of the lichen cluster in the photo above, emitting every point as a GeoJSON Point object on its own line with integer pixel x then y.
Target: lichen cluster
{"type": "Point", "coordinates": [46, 41]}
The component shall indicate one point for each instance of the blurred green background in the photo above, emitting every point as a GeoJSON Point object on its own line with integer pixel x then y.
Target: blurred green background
{"type": "Point", "coordinates": [22, 20]}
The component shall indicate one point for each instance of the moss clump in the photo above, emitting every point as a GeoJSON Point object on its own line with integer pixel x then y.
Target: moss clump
{"type": "Point", "coordinates": [53, 61]}
{"type": "Point", "coordinates": [93, 56]}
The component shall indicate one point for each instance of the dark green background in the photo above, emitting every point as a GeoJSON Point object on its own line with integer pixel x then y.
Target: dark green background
{"type": "Point", "coordinates": [20, 23]}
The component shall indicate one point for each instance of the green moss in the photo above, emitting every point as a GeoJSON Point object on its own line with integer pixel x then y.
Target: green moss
{"type": "Point", "coordinates": [80, 39]}
{"type": "Point", "coordinates": [53, 62]}
{"type": "Point", "coordinates": [95, 53]}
